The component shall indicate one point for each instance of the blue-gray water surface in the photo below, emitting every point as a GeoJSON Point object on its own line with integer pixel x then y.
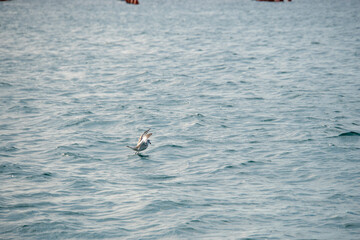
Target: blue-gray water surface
{"type": "Point", "coordinates": [254, 109]}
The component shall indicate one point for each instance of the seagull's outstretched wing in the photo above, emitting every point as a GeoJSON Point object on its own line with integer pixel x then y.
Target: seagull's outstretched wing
{"type": "Point", "coordinates": [144, 134]}
{"type": "Point", "coordinates": [146, 137]}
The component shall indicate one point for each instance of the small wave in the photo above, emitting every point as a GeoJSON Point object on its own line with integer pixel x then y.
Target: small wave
{"type": "Point", "coordinates": [229, 166]}
{"type": "Point", "coordinates": [224, 168]}
{"type": "Point", "coordinates": [40, 177]}
{"type": "Point", "coordinates": [72, 113]}
{"type": "Point", "coordinates": [160, 205]}
{"type": "Point", "coordinates": [254, 98]}
{"type": "Point", "coordinates": [337, 196]}
{"type": "Point", "coordinates": [172, 146]}
{"type": "Point", "coordinates": [32, 205]}
{"type": "Point", "coordinates": [8, 149]}
{"type": "Point", "coordinates": [182, 229]}
{"type": "Point", "coordinates": [352, 225]}
{"type": "Point", "coordinates": [160, 177]}
{"type": "Point", "coordinates": [44, 226]}
{"type": "Point", "coordinates": [230, 150]}
{"type": "Point", "coordinates": [24, 109]}
{"type": "Point", "coordinates": [76, 122]}
{"type": "Point", "coordinates": [250, 162]}
{"type": "Point", "coordinates": [197, 125]}
{"type": "Point", "coordinates": [349, 134]}
{"type": "Point", "coordinates": [231, 83]}
{"type": "Point", "coordinates": [78, 157]}
{"type": "Point", "coordinates": [5, 85]}
{"type": "Point", "coordinates": [197, 115]}
{"type": "Point", "coordinates": [70, 154]}
{"type": "Point", "coordinates": [10, 168]}
{"type": "Point", "coordinates": [269, 120]}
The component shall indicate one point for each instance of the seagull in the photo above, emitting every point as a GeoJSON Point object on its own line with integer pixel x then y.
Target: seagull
{"type": "Point", "coordinates": [143, 142]}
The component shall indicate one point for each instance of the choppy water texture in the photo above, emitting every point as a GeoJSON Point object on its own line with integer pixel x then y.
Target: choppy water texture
{"type": "Point", "coordinates": [254, 109]}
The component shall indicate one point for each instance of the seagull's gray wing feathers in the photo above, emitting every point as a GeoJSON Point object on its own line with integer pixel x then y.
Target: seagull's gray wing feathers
{"type": "Point", "coordinates": [142, 135]}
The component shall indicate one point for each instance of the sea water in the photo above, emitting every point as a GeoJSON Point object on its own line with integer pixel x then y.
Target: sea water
{"type": "Point", "coordinates": [254, 109]}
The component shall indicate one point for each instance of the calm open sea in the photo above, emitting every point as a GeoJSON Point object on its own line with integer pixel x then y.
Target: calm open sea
{"type": "Point", "coordinates": [254, 109]}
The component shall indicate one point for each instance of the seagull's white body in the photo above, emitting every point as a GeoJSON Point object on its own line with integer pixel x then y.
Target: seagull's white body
{"type": "Point", "coordinates": [143, 142]}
